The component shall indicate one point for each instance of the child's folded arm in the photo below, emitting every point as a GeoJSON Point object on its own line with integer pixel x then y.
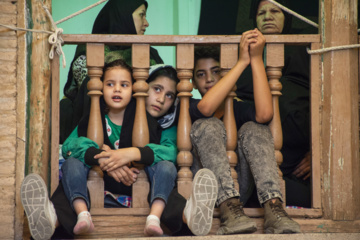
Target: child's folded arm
{"type": "Point", "coordinates": [76, 147]}
{"type": "Point", "coordinates": [167, 149]}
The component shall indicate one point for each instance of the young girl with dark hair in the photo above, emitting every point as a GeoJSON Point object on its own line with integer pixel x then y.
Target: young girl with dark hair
{"type": "Point", "coordinates": [70, 203]}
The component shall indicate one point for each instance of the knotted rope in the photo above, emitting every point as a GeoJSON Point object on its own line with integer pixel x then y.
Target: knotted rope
{"type": "Point", "coordinates": [55, 39]}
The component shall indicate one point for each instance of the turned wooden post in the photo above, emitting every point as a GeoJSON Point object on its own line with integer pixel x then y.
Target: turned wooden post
{"type": "Point", "coordinates": [228, 58]}
{"type": "Point", "coordinates": [95, 63]}
{"type": "Point", "coordinates": [185, 64]}
{"type": "Point", "coordinates": [140, 135]}
{"type": "Point", "coordinates": [274, 65]}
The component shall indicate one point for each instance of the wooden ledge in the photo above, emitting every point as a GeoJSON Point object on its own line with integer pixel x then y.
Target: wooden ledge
{"type": "Point", "coordinates": [171, 40]}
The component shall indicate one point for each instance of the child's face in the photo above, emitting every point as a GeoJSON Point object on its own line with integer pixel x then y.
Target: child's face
{"type": "Point", "coordinates": [139, 17]}
{"type": "Point", "coordinates": [161, 96]}
{"type": "Point", "coordinates": [269, 18]}
{"type": "Point", "coordinates": [117, 88]}
{"type": "Point", "coordinates": [207, 73]}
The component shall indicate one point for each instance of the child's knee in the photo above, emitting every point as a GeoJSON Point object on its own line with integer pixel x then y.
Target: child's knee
{"type": "Point", "coordinates": [208, 126]}
{"type": "Point", "coordinates": [252, 129]}
{"type": "Point", "coordinates": [72, 163]}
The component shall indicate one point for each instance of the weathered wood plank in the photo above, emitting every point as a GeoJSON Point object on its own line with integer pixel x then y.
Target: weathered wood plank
{"type": "Point", "coordinates": [6, 77]}
{"type": "Point", "coordinates": [171, 40]}
{"type": "Point", "coordinates": [7, 154]}
{"type": "Point", "coordinates": [8, 42]}
{"type": "Point", "coordinates": [8, 19]}
{"type": "Point", "coordinates": [8, 54]}
{"type": "Point", "coordinates": [55, 123]}
{"type": "Point", "coordinates": [8, 90]}
{"type": "Point", "coordinates": [340, 121]}
{"type": "Point", "coordinates": [7, 67]}
{"type": "Point", "coordinates": [39, 93]}
{"type": "Point", "coordinates": [8, 103]}
{"type": "Point", "coordinates": [315, 121]}
{"type": "Point", "coordinates": [7, 216]}
{"type": "Point", "coordinates": [8, 7]}
{"type": "Point", "coordinates": [7, 122]}
{"type": "Point", "coordinates": [132, 227]}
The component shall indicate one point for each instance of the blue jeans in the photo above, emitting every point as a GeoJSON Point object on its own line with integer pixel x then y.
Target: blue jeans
{"type": "Point", "coordinates": [162, 176]}
{"type": "Point", "coordinates": [74, 180]}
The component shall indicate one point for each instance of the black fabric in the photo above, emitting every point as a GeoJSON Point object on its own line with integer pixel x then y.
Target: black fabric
{"type": "Point", "coordinates": [243, 112]}
{"type": "Point", "coordinates": [172, 215]}
{"type": "Point", "coordinates": [218, 19]}
{"type": "Point", "coordinates": [66, 216]}
{"type": "Point", "coordinates": [114, 18]}
{"type": "Point", "coordinates": [147, 155]}
{"type": "Point", "coordinates": [298, 191]}
{"type": "Point", "coordinates": [90, 154]}
{"type": "Point", "coordinates": [194, 112]}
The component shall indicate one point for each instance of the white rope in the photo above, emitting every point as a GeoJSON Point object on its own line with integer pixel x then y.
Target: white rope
{"type": "Point", "coordinates": [25, 29]}
{"type": "Point", "coordinates": [79, 12]}
{"type": "Point", "coordinates": [55, 38]}
{"type": "Point", "coordinates": [329, 49]}
{"type": "Point", "coordinates": [294, 14]}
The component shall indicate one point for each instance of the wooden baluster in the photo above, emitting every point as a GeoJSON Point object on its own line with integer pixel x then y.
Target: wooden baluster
{"type": "Point", "coordinates": [185, 64]}
{"type": "Point", "coordinates": [228, 58]}
{"type": "Point", "coordinates": [140, 135]}
{"type": "Point", "coordinates": [274, 65]}
{"type": "Point", "coordinates": [95, 63]}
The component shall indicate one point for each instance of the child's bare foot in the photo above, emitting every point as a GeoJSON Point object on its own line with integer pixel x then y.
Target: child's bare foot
{"type": "Point", "coordinates": [84, 223]}
{"type": "Point", "coordinates": [152, 227]}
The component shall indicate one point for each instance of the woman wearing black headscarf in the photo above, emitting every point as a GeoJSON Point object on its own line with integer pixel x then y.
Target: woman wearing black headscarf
{"type": "Point", "coordinates": [293, 104]}
{"type": "Point", "coordinates": [116, 17]}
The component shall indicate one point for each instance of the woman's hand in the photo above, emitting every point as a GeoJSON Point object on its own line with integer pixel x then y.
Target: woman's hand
{"type": "Point", "coordinates": [110, 160]}
{"type": "Point", "coordinates": [303, 169]}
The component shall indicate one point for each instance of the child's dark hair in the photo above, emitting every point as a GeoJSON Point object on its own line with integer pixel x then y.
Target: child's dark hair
{"type": "Point", "coordinates": [169, 72]}
{"type": "Point", "coordinates": [117, 63]}
{"type": "Point", "coordinates": [207, 52]}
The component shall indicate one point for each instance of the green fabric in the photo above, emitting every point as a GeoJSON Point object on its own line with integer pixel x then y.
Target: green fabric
{"type": "Point", "coordinates": [167, 150]}
{"type": "Point", "coordinates": [114, 131]}
{"type": "Point", "coordinates": [75, 146]}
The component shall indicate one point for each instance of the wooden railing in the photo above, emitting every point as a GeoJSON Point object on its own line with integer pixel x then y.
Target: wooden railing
{"type": "Point", "coordinates": [185, 63]}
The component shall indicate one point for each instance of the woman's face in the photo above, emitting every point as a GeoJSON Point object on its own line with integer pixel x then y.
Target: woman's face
{"type": "Point", "coordinates": [161, 96]}
{"type": "Point", "coordinates": [269, 18]}
{"type": "Point", "coordinates": [139, 16]}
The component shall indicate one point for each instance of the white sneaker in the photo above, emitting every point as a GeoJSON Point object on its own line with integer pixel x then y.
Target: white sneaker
{"type": "Point", "coordinates": [39, 210]}
{"type": "Point", "coordinates": [199, 207]}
